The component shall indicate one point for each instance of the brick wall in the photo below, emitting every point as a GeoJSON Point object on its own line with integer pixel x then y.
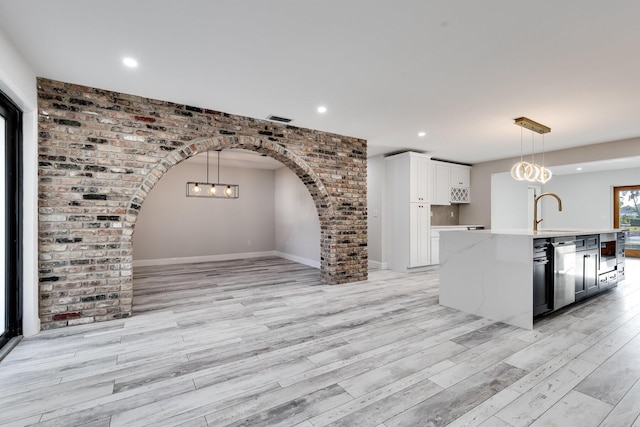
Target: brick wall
{"type": "Point", "coordinates": [101, 152]}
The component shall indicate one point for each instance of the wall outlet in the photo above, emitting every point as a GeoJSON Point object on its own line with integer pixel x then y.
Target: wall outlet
{"type": "Point", "coordinates": [451, 214]}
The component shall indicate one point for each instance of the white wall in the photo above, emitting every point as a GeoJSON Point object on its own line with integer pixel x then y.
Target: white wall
{"type": "Point", "coordinates": [479, 210]}
{"type": "Point", "coordinates": [376, 183]}
{"type": "Point", "coordinates": [509, 202]}
{"type": "Point", "coordinates": [297, 225]}
{"type": "Point", "coordinates": [172, 227]}
{"type": "Point", "coordinates": [587, 199]}
{"type": "Point", "coordinates": [18, 82]}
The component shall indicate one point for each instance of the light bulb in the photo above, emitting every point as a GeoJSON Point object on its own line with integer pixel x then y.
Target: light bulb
{"type": "Point", "coordinates": [196, 188]}
{"type": "Point", "coordinates": [518, 171]}
{"type": "Point", "coordinates": [213, 189]}
{"type": "Point", "coordinates": [545, 175]}
{"type": "Point", "coordinates": [228, 191]}
{"type": "Point", "coordinates": [532, 172]}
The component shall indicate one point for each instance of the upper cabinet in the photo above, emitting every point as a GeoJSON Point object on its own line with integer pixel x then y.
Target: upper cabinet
{"type": "Point", "coordinates": [450, 183]}
{"type": "Point", "coordinates": [440, 183]}
{"type": "Point", "coordinates": [419, 178]}
{"type": "Point", "coordinates": [460, 184]}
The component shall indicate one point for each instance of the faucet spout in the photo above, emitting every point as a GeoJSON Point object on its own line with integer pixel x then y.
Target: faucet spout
{"type": "Point", "coordinates": [537, 221]}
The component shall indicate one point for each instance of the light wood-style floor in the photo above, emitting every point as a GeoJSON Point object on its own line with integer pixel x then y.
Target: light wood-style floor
{"type": "Point", "coordinates": [261, 342]}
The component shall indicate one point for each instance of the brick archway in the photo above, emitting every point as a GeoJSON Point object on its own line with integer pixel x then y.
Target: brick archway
{"type": "Point", "coordinates": [101, 152]}
{"type": "Point", "coordinates": [309, 178]}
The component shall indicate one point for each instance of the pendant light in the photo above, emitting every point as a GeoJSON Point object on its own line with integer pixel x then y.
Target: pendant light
{"type": "Point", "coordinates": [532, 172]}
{"type": "Point", "coordinates": [213, 190]}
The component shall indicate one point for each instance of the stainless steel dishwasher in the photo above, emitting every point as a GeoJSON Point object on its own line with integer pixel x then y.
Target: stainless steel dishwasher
{"type": "Point", "coordinates": [564, 273]}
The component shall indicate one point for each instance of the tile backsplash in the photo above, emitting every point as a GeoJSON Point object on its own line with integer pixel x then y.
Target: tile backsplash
{"type": "Point", "coordinates": [441, 215]}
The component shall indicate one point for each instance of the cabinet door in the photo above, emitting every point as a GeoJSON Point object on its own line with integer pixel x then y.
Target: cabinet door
{"type": "Point", "coordinates": [419, 238]}
{"type": "Point", "coordinates": [419, 179]}
{"type": "Point", "coordinates": [542, 294]}
{"type": "Point", "coordinates": [440, 177]}
{"type": "Point", "coordinates": [586, 274]}
{"type": "Point", "coordinates": [591, 271]}
{"type": "Point", "coordinates": [460, 176]}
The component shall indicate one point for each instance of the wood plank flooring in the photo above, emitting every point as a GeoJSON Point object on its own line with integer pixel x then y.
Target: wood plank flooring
{"type": "Point", "coordinates": [262, 342]}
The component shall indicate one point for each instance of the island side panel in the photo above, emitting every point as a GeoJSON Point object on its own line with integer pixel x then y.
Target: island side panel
{"type": "Point", "coordinates": [490, 275]}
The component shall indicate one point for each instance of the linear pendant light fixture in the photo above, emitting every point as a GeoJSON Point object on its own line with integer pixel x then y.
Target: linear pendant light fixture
{"type": "Point", "coordinates": [213, 190]}
{"type": "Point", "coordinates": [532, 172]}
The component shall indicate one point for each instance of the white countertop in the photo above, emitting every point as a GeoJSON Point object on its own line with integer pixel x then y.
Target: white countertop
{"type": "Point", "coordinates": [455, 227]}
{"type": "Point", "coordinates": [545, 233]}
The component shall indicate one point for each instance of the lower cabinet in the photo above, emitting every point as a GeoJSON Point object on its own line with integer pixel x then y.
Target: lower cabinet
{"type": "Point", "coordinates": [586, 273]}
{"type": "Point", "coordinates": [419, 237]}
{"type": "Point", "coordinates": [542, 285]}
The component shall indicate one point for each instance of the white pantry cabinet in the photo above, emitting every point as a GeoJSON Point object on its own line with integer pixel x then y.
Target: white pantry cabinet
{"type": "Point", "coordinates": [418, 177]}
{"type": "Point", "coordinates": [419, 243]}
{"type": "Point", "coordinates": [407, 211]}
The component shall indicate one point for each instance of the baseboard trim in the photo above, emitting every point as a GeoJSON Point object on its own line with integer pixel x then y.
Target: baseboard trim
{"type": "Point", "coordinates": [305, 261]}
{"type": "Point", "coordinates": [204, 258]}
{"type": "Point", "coordinates": [378, 265]}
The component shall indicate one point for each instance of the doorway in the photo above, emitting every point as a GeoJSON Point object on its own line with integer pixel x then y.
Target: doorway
{"type": "Point", "coordinates": [626, 216]}
{"type": "Point", "coordinates": [10, 219]}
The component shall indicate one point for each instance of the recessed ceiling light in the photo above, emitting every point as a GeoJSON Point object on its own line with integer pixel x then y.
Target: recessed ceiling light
{"type": "Point", "coordinates": [421, 134]}
{"type": "Point", "coordinates": [578, 169]}
{"type": "Point", "coordinates": [130, 62]}
{"type": "Point", "coordinates": [322, 109]}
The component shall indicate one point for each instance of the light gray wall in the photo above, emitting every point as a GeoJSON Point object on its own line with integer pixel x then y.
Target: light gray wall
{"type": "Point", "coordinates": [376, 184]}
{"type": "Point", "coordinates": [587, 199]}
{"type": "Point", "coordinates": [479, 210]}
{"type": "Point", "coordinates": [171, 225]}
{"type": "Point", "coordinates": [509, 204]}
{"type": "Point", "coordinates": [18, 82]}
{"type": "Point", "coordinates": [297, 226]}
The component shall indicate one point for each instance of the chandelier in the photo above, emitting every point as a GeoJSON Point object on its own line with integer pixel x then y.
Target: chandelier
{"type": "Point", "coordinates": [525, 171]}
{"type": "Point", "coordinates": [215, 190]}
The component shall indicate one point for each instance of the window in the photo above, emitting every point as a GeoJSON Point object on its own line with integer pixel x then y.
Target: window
{"type": "Point", "coordinates": [626, 215]}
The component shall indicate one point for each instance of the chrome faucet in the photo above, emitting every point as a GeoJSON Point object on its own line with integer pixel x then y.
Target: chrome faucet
{"type": "Point", "coordinates": [537, 221]}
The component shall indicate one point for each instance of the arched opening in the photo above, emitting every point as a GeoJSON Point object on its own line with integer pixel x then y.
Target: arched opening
{"type": "Point", "coordinates": [98, 163]}
{"type": "Point", "coordinates": [248, 243]}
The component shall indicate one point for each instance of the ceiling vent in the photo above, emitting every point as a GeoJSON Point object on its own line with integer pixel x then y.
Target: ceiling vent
{"type": "Point", "coordinates": [279, 119]}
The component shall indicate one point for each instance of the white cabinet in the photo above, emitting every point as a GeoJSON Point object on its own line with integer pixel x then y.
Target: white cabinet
{"type": "Point", "coordinates": [460, 176]}
{"type": "Point", "coordinates": [450, 183]}
{"type": "Point", "coordinates": [419, 178]}
{"type": "Point", "coordinates": [440, 183]}
{"type": "Point", "coordinates": [460, 184]}
{"type": "Point", "coordinates": [419, 243]}
{"type": "Point", "coordinates": [407, 211]}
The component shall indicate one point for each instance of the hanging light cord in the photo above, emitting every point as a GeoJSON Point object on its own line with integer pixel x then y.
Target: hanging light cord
{"type": "Point", "coordinates": [532, 149]}
{"type": "Point", "coordinates": [218, 166]}
{"type": "Point", "coordinates": [521, 145]}
{"type": "Point", "coordinates": [207, 165]}
{"type": "Point", "coordinates": [543, 150]}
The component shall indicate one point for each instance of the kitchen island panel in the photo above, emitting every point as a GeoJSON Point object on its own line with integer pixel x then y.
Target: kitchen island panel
{"type": "Point", "coordinates": [487, 274]}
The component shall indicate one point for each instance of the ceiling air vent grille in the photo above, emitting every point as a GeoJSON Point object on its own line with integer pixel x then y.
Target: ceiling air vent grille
{"type": "Point", "coordinates": [279, 119]}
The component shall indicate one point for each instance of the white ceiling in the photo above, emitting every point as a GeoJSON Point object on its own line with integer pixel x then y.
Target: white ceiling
{"type": "Point", "coordinates": [459, 70]}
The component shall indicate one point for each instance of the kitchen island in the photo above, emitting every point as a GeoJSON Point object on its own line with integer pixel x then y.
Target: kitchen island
{"type": "Point", "coordinates": [491, 273]}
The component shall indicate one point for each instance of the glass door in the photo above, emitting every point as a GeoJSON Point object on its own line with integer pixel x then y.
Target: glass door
{"type": "Point", "coordinates": [10, 220]}
{"type": "Point", "coordinates": [626, 214]}
{"type": "Point", "coordinates": [3, 221]}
